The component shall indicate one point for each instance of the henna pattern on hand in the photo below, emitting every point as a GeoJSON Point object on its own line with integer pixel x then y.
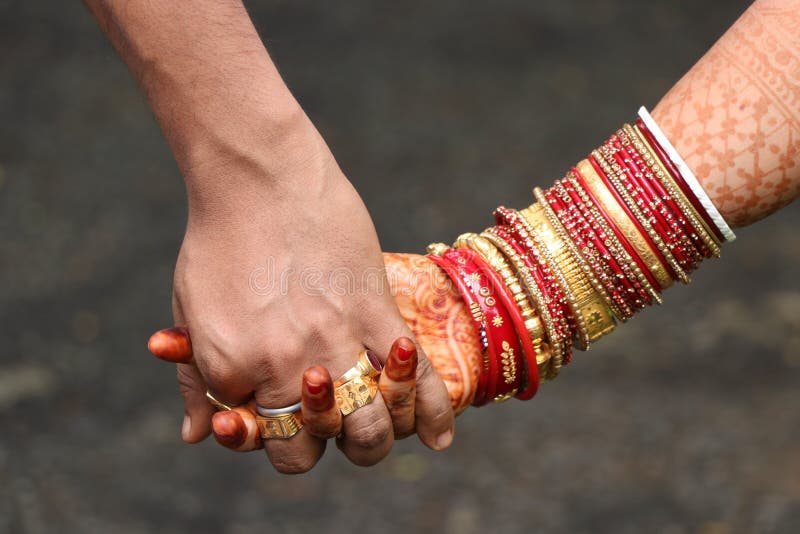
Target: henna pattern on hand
{"type": "Point", "coordinates": [440, 320]}
{"type": "Point", "coordinates": [735, 116]}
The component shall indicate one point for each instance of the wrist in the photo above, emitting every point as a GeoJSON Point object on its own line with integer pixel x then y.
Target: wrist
{"type": "Point", "coordinates": [262, 164]}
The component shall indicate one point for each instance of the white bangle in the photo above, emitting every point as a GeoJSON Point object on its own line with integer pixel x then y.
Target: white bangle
{"type": "Point", "coordinates": [688, 176]}
{"type": "Point", "coordinates": [272, 412]}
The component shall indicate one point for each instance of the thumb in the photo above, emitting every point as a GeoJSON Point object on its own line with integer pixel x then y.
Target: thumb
{"type": "Point", "coordinates": [198, 411]}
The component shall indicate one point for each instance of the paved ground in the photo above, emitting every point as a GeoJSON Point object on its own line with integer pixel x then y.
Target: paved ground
{"type": "Point", "coordinates": [685, 421]}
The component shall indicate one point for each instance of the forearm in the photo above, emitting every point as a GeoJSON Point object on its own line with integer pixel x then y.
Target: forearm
{"type": "Point", "coordinates": [213, 89]}
{"type": "Point", "coordinates": [735, 116]}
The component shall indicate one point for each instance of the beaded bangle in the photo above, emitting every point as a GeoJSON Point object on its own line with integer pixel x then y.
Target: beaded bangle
{"type": "Point", "coordinates": [662, 200]}
{"type": "Point", "coordinates": [676, 177]}
{"type": "Point", "coordinates": [599, 247]}
{"type": "Point", "coordinates": [594, 318]}
{"type": "Point", "coordinates": [673, 235]}
{"type": "Point", "coordinates": [664, 177]}
{"type": "Point", "coordinates": [686, 175]}
{"type": "Point", "coordinates": [531, 346]}
{"type": "Point", "coordinates": [611, 175]}
{"type": "Point", "coordinates": [619, 219]}
{"type": "Point", "coordinates": [611, 236]}
{"type": "Point", "coordinates": [554, 297]}
{"type": "Point", "coordinates": [553, 330]}
{"type": "Point", "coordinates": [500, 238]}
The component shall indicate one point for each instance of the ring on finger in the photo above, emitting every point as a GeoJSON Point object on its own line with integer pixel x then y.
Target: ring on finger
{"type": "Point", "coordinates": [358, 385]}
{"type": "Point", "coordinates": [219, 405]}
{"type": "Point", "coordinates": [279, 423]}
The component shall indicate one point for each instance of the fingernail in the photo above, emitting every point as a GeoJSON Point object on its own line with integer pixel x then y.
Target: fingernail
{"type": "Point", "coordinates": [404, 354]}
{"type": "Point", "coordinates": [229, 429]}
{"type": "Point", "coordinates": [187, 426]}
{"type": "Point", "coordinates": [444, 440]}
{"type": "Point", "coordinates": [314, 389]}
{"type": "Point", "coordinates": [171, 344]}
{"type": "Point", "coordinates": [374, 360]}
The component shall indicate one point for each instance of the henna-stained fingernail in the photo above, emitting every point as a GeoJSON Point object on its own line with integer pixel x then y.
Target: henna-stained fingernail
{"type": "Point", "coordinates": [318, 388]}
{"type": "Point", "coordinates": [402, 363]}
{"type": "Point", "coordinates": [229, 429]}
{"type": "Point", "coordinates": [172, 345]}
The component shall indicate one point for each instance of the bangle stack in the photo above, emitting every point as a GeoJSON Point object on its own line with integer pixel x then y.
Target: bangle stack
{"type": "Point", "coordinates": [600, 245]}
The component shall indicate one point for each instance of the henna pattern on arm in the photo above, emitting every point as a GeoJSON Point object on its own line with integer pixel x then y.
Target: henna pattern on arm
{"type": "Point", "coordinates": [735, 116]}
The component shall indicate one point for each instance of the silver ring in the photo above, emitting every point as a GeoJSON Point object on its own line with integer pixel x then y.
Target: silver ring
{"type": "Point", "coordinates": [272, 412]}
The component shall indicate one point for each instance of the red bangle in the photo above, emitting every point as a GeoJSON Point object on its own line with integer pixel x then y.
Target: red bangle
{"type": "Point", "coordinates": [638, 189]}
{"type": "Point", "coordinates": [532, 379]}
{"type": "Point", "coordinates": [505, 361]}
{"type": "Point", "coordinates": [678, 178]}
{"type": "Point", "coordinates": [470, 300]}
{"type": "Point", "coordinates": [691, 243]}
{"type": "Point", "coordinates": [503, 340]}
{"type": "Point", "coordinates": [514, 232]}
{"type": "Point", "coordinates": [524, 352]}
{"type": "Point", "coordinates": [634, 220]}
{"type": "Point", "coordinates": [589, 240]}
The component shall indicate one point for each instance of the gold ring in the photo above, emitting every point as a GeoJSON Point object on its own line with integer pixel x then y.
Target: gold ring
{"type": "Point", "coordinates": [357, 387]}
{"type": "Point", "coordinates": [219, 405]}
{"type": "Point", "coordinates": [282, 426]}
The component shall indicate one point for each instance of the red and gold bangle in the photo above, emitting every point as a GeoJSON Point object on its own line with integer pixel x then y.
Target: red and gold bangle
{"type": "Point", "coordinates": [561, 212]}
{"type": "Point", "coordinates": [593, 317]}
{"type": "Point", "coordinates": [660, 200]}
{"type": "Point", "coordinates": [531, 331]}
{"type": "Point", "coordinates": [632, 179]}
{"type": "Point", "coordinates": [479, 321]}
{"type": "Point", "coordinates": [549, 348]}
{"type": "Point", "coordinates": [676, 176]}
{"type": "Point", "coordinates": [583, 178]}
{"type": "Point", "coordinates": [673, 199]}
{"type": "Point", "coordinates": [612, 150]}
{"type": "Point", "coordinates": [619, 216]}
{"type": "Point", "coordinates": [611, 174]}
{"type": "Point", "coordinates": [590, 238]}
{"type": "Point", "coordinates": [685, 206]}
{"type": "Point", "coordinates": [546, 330]}
{"type": "Point", "coordinates": [554, 299]}
{"type": "Point", "coordinates": [504, 344]}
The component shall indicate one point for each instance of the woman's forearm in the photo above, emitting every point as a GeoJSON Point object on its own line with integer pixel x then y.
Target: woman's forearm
{"type": "Point", "coordinates": [735, 116]}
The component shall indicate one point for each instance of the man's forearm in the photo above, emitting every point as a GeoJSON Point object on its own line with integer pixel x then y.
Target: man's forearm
{"type": "Point", "coordinates": [211, 84]}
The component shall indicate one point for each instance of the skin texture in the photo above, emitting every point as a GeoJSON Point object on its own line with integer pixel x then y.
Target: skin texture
{"type": "Point", "coordinates": [278, 246]}
{"type": "Point", "coordinates": [734, 117]}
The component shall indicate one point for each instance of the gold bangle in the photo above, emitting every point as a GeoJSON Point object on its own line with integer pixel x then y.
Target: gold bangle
{"type": "Point", "coordinates": [623, 222]}
{"type": "Point", "coordinates": [627, 263]}
{"type": "Point", "coordinates": [494, 258]}
{"type": "Point", "coordinates": [597, 318]}
{"type": "Point", "coordinates": [534, 324]}
{"type": "Point", "coordinates": [526, 233]}
{"type": "Point", "coordinates": [580, 260]}
{"type": "Point", "coordinates": [614, 172]}
{"type": "Point", "coordinates": [652, 160]}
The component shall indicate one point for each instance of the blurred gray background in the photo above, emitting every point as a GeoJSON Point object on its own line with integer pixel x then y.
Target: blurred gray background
{"type": "Point", "coordinates": [684, 421]}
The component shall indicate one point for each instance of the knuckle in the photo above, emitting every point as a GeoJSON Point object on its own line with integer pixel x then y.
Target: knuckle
{"type": "Point", "coordinates": [370, 433]}
{"type": "Point", "coordinates": [293, 464]}
{"type": "Point", "coordinates": [401, 400]}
